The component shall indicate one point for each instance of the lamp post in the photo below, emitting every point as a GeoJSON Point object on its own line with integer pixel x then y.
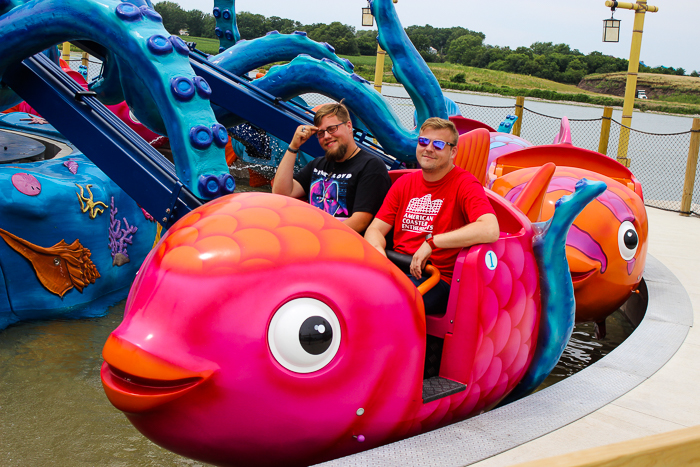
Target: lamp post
{"type": "Point", "coordinates": [368, 20]}
{"type": "Point", "coordinates": [640, 9]}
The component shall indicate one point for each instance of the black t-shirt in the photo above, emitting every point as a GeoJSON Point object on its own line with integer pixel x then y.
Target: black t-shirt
{"type": "Point", "coordinates": [358, 184]}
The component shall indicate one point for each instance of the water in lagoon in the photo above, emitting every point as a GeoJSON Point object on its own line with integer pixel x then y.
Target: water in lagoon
{"type": "Point", "coordinates": [643, 121]}
{"type": "Point", "coordinates": [53, 410]}
{"type": "Point", "coordinates": [584, 349]}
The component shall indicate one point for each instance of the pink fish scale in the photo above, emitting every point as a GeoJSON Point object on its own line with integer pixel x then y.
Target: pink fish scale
{"type": "Point", "coordinates": [508, 319]}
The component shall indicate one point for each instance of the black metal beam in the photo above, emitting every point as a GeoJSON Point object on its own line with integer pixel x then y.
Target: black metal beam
{"type": "Point", "coordinates": [260, 108]}
{"type": "Point", "coordinates": [141, 171]}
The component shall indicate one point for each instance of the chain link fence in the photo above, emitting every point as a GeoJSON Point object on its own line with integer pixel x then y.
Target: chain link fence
{"type": "Point", "coordinates": [657, 160]}
{"type": "Point", "coordinates": [94, 66]}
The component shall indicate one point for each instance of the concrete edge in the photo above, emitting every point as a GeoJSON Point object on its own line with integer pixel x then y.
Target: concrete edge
{"type": "Point", "coordinates": [668, 318]}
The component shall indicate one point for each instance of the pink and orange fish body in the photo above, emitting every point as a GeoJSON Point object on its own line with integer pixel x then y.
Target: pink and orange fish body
{"type": "Point", "coordinates": [607, 244]}
{"type": "Point", "coordinates": [262, 331]}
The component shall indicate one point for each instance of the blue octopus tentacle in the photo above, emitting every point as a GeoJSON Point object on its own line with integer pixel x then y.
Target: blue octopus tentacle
{"type": "Point", "coordinates": [306, 74]}
{"type": "Point", "coordinates": [197, 140]}
{"type": "Point", "coordinates": [239, 59]}
{"type": "Point", "coordinates": [274, 47]}
{"type": "Point", "coordinates": [226, 27]}
{"type": "Point", "coordinates": [409, 67]}
{"type": "Point", "coordinates": [9, 98]}
{"type": "Point", "coordinates": [108, 86]}
{"type": "Point", "coordinates": [557, 290]}
{"type": "Point", "coordinates": [7, 5]}
{"type": "Point", "coordinates": [143, 107]}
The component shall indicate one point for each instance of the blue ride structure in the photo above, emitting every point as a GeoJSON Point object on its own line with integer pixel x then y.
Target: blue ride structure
{"type": "Point", "coordinates": [136, 32]}
{"type": "Point", "coordinates": [317, 69]}
{"type": "Point", "coordinates": [71, 240]}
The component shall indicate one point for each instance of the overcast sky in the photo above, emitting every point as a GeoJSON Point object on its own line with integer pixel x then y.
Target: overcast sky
{"type": "Point", "coordinates": [671, 36]}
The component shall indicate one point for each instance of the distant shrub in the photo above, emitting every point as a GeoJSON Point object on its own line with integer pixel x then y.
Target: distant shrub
{"type": "Point", "coordinates": [459, 78]}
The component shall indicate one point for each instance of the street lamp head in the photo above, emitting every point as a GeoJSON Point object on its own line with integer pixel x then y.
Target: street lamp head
{"type": "Point", "coordinates": [611, 30]}
{"type": "Point", "coordinates": [367, 18]}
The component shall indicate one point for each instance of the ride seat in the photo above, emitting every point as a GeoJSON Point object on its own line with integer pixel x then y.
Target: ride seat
{"type": "Point", "coordinates": [473, 153]}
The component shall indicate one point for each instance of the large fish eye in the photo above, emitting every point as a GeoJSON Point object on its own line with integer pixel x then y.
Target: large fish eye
{"type": "Point", "coordinates": [627, 240]}
{"type": "Point", "coordinates": [304, 335]}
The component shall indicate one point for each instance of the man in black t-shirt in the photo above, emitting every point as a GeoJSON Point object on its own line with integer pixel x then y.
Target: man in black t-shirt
{"type": "Point", "coordinates": [348, 183]}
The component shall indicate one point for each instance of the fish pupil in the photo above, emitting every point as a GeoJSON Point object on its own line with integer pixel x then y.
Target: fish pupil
{"type": "Point", "coordinates": [315, 335]}
{"type": "Point", "coordinates": [631, 239]}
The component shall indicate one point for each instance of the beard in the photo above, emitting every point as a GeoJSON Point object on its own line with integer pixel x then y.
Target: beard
{"type": "Point", "coordinates": [337, 153]}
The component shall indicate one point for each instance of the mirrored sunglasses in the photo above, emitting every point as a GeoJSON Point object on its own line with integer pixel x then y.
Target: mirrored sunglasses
{"type": "Point", "coordinates": [437, 143]}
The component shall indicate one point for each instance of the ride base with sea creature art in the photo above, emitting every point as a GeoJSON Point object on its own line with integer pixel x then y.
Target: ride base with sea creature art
{"type": "Point", "coordinates": [55, 258]}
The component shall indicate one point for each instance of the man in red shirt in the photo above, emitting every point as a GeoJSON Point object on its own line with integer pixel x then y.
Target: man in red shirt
{"type": "Point", "coordinates": [435, 212]}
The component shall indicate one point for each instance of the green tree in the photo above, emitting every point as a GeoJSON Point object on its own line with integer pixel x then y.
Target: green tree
{"type": "Point", "coordinates": [367, 42]}
{"type": "Point", "coordinates": [465, 49]}
{"type": "Point", "coordinates": [174, 17]}
{"type": "Point", "coordinates": [575, 71]}
{"type": "Point", "coordinates": [420, 42]}
{"type": "Point", "coordinates": [283, 25]}
{"type": "Point", "coordinates": [196, 24]}
{"type": "Point", "coordinates": [516, 63]}
{"type": "Point", "coordinates": [339, 35]}
{"type": "Point", "coordinates": [251, 25]}
{"type": "Point", "coordinates": [209, 26]}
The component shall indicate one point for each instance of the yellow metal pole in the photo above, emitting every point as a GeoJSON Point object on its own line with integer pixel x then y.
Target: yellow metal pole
{"type": "Point", "coordinates": [632, 6]}
{"type": "Point", "coordinates": [691, 168]}
{"type": "Point", "coordinates": [605, 130]}
{"type": "Point", "coordinates": [379, 67]}
{"type": "Point", "coordinates": [66, 51]}
{"type": "Point", "coordinates": [85, 61]}
{"type": "Point", "coordinates": [379, 70]}
{"type": "Point", "coordinates": [519, 104]}
{"type": "Point", "coordinates": [640, 8]}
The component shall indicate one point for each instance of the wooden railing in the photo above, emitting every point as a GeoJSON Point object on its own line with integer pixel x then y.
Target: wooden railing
{"type": "Point", "coordinates": [672, 449]}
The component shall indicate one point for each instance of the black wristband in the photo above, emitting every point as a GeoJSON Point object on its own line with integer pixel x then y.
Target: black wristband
{"type": "Point", "coordinates": [293, 151]}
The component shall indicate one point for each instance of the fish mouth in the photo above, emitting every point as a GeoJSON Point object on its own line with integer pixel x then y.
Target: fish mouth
{"type": "Point", "coordinates": [136, 381]}
{"type": "Point", "coordinates": [581, 276]}
{"type": "Point", "coordinates": [581, 267]}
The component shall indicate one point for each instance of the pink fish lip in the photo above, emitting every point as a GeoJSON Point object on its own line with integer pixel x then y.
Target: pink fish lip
{"type": "Point", "coordinates": [577, 277]}
{"type": "Point", "coordinates": [136, 381]}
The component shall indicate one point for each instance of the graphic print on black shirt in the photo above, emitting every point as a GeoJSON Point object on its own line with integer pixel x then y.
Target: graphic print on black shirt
{"type": "Point", "coordinates": [328, 192]}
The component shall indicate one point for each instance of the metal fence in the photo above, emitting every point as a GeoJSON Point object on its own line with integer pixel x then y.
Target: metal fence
{"type": "Point", "coordinates": [657, 160]}
{"type": "Point", "coordinates": [94, 66]}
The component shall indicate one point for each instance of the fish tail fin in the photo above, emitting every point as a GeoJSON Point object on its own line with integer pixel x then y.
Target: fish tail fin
{"type": "Point", "coordinates": [531, 198]}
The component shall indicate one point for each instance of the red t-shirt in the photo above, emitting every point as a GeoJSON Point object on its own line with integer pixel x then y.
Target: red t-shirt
{"type": "Point", "coordinates": [416, 207]}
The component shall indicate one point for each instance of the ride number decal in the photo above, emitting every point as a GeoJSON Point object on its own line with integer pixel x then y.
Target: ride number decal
{"type": "Point", "coordinates": [491, 260]}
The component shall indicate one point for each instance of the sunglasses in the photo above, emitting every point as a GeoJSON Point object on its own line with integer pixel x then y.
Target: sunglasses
{"type": "Point", "coordinates": [437, 143]}
{"type": "Point", "coordinates": [331, 130]}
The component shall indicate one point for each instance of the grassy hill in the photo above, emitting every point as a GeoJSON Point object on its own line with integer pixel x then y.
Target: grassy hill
{"type": "Point", "coordinates": [667, 88]}
{"type": "Point", "coordinates": [674, 94]}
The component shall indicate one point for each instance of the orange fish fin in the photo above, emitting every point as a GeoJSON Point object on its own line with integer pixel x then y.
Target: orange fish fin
{"type": "Point", "coordinates": [531, 198]}
{"type": "Point", "coordinates": [473, 152]}
{"type": "Point", "coordinates": [59, 268]}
